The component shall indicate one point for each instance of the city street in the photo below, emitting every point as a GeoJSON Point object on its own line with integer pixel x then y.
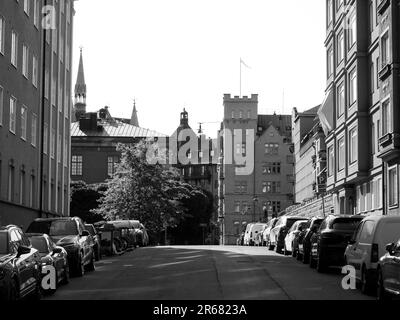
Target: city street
{"type": "Point", "coordinates": [205, 273]}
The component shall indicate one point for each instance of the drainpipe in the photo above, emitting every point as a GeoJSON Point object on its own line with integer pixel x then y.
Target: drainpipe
{"type": "Point", "coordinates": [384, 208]}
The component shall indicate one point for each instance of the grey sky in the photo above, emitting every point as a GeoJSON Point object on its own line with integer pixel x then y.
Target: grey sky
{"type": "Point", "coordinates": [172, 54]}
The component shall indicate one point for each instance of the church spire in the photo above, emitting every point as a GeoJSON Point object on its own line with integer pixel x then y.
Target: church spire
{"type": "Point", "coordinates": [134, 118]}
{"type": "Point", "coordinates": [80, 91]}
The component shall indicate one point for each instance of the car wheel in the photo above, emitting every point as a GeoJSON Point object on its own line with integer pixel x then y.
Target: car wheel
{"type": "Point", "coordinates": [321, 264]}
{"type": "Point", "coordinates": [65, 279]}
{"type": "Point", "coordinates": [91, 266]}
{"type": "Point", "coordinates": [294, 254]}
{"type": "Point", "coordinates": [285, 252]}
{"type": "Point", "coordinates": [14, 291]}
{"type": "Point", "coordinates": [278, 249]}
{"type": "Point", "coordinates": [381, 293]}
{"type": "Point", "coordinates": [80, 267]}
{"type": "Point", "coordinates": [311, 261]}
{"type": "Point", "coordinates": [365, 283]}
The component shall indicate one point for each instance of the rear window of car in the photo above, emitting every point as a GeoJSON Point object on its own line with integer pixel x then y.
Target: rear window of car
{"type": "Point", "coordinates": [63, 228]}
{"type": "Point", "coordinates": [42, 227]}
{"type": "Point", "coordinates": [389, 233]}
{"type": "Point", "coordinates": [3, 243]}
{"type": "Point", "coordinates": [291, 222]}
{"type": "Point", "coordinates": [40, 244]}
{"type": "Point", "coordinates": [345, 224]}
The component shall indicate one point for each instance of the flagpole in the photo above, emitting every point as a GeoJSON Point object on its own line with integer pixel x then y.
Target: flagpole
{"type": "Point", "coordinates": [240, 86]}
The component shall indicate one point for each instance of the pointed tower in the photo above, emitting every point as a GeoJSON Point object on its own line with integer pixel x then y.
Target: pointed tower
{"type": "Point", "coordinates": [80, 92]}
{"type": "Point", "coordinates": [134, 118]}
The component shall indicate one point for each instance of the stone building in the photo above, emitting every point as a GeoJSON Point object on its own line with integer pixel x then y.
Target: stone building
{"type": "Point", "coordinates": [35, 107]}
{"type": "Point", "coordinates": [262, 185]}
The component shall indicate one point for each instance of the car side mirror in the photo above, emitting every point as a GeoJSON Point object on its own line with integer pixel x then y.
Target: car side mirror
{"type": "Point", "coordinates": [390, 247]}
{"type": "Point", "coordinates": [85, 233]}
{"type": "Point", "coordinates": [23, 250]}
{"type": "Point", "coordinates": [57, 251]}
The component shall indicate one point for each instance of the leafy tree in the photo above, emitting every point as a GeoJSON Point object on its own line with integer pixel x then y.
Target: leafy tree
{"type": "Point", "coordinates": [84, 199]}
{"type": "Point", "coordinates": [141, 190]}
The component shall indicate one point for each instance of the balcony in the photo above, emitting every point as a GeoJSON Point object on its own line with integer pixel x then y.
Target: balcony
{"type": "Point", "coordinates": [385, 72]}
{"type": "Point", "coordinates": [390, 144]}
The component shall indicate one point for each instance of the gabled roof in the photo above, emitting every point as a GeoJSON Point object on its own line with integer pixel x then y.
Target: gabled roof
{"type": "Point", "coordinates": [282, 123]}
{"type": "Point", "coordinates": [116, 129]}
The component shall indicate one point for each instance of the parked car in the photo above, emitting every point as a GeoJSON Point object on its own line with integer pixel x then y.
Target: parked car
{"type": "Point", "coordinates": [329, 243]}
{"type": "Point", "coordinates": [270, 225]}
{"type": "Point", "coordinates": [52, 255]}
{"type": "Point", "coordinates": [368, 245]}
{"type": "Point", "coordinates": [69, 233]}
{"type": "Point", "coordinates": [304, 239]}
{"type": "Point", "coordinates": [20, 266]}
{"type": "Point", "coordinates": [389, 273]}
{"type": "Point", "coordinates": [256, 233]}
{"type": "Point", "coordinates": [96, 240]}
{"type": "Point", "coordinates": [279, 232]}
{"type": "Point", "coordinates": [291, 240]}
{"type": "Point", "coordinates": [142, 236]}
{"type": "Point", "coordinates": [246, 241]}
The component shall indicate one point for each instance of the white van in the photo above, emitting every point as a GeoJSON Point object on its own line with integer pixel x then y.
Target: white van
{"type": "Point", "coordinates": [256, 234]}
{"type": "Point", "coordinates": [369, 245]}
{"type": "Point", "coordinates": [246, 239]}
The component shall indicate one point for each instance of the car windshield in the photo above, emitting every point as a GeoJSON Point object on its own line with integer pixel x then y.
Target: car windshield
{"type": "Point", "coordinates": [63, 228]}
{"type": "Point", "coordinates": [290, 222]}
{"type": "Point", "coordinates": [3, 243]}
{"type": "Point", "coordinates": [345, 224]}
{"type": "Point", "coordinates": [90, 229]}
{"type": "Point", "coordinates": [40, 244]}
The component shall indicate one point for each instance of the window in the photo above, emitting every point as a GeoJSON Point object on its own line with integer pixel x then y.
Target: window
{"type": "Point", "coordinates": [34, 130]}
{"type": "Point", "coordinates": [340, 100]}
{"type": "Point", "coordinates": [241, 187]}
{"type": "Point", "coordinates": [77, 164]}
{"type": "Point", "coordinates": [393, 186]}
{"type": "Point", "coordinates": [111, 165]}
{"type": "Point", "coordinates": [272, 168]}
{"type": "Point", "coordinates": [35, 74]}
{"type": "Point", "coordinates": [1, 105]}
{"type": "Point", "coordinates": [13, 114]}
{"type": "Point", "coordinates": [45, 138]}
{"type": "Point", "coordinates": [237, 206]}
{"type": "Point", "coordinates": [26, 6]}
{"type": "Point", "coordinates": [385, 49]}
{"type": "Point", "coordinates": [22, 187]}
{"type": "Point", "coordinates": [377, 72]}
{"type": "Point", "coordinates": [353, 145]}
{"type": "Point", "coordinates": [378, 193]}
{"type": "Point", "coordinates": [2, 34]}
{"type": "Point", "coordinates": [353, 86]}
{"type": "Point", "coordinates": [52, 143]}
{"type": "Point", "coordinates": [53, 91]}
{"type": "Point", "coordinates": [340, 47]}
{"type": "Point", "coordinates": [36, 13]}
{"type": "Point", "coordinates": [385, 117]}
{"type": "Point", "coordinates": [352, 30]}
{"type": "Point", "coordinates": [10, 193]}
{"type": "Point", "coordinates": [372, 77]}
{"type": "Point", "coordinates": [14, 48]}
{"type": "Point", "coordinates": [341, 154]}
{"type": "Point", "coordinates": [24, 119]}
{"type": "Point", "coordinates": [46, 83]}
{"type": "Point", "coordinates": [66, 151]}
{"type": "Point", "coordinates": [25, 60]}
{"type": "Point", "coordinates": [32, 197]}
{"type": "Point", "coordinates": [271, 148]}
{"type": "Point", "coordinates": [329, 12]}
{"type": "Point", "coordinates": [373, 139]}
{"type": "Point", "coordinates": [330, 61]}
{"type": "Point", "coordinates": [233, 114]}
{"type": "Point", "coordinates": [331, 161]}
{"type": "Point", "coordinates": [59, 148]}
{"type": "Point", "coordinates": [271, 187]}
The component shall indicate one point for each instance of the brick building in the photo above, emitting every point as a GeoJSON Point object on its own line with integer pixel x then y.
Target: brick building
{"type": "Point", "coordinates": [35, 105]}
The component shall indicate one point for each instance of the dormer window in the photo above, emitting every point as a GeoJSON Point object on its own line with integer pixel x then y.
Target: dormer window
{"type": "Point", "coordinates": [233, 114]}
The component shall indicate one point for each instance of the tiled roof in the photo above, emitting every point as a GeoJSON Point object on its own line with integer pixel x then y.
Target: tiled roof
{"type": "Point", "coordinates": [283, 123]}
{"type": "Point", "coordinates": [114, 129]}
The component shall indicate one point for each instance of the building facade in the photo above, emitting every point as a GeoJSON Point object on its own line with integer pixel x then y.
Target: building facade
{"type": "Point", "coordinates": [351, 113]}
{"type": "Point", "coordinates": [265, 142]}
{"type": "Point", "coordinates": [35, 106]}
{"type": "Point", "coordinates": [388, 29]}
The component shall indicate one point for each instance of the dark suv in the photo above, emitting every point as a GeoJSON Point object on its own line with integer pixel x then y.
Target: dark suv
{"type": "Point", "coordinates": [69, 233]}
{"type": "Point", "coordinates": [305, 239]}
{"type": "Point", "coordinates": [20, 265]}
{"type": "Point", "coordinates": [329, 243]}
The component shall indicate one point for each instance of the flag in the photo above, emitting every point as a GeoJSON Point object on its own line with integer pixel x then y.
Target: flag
{"type": "Point", "coordinates": [325, 113]}
{"type": "Point", "coordinates": [242, 62]}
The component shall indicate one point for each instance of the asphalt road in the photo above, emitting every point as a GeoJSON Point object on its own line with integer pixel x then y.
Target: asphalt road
{"type": "Point", "coordinates": [205, 273]}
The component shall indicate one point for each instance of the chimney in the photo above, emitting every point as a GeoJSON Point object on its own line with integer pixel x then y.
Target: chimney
{"type": "Point", "coordinates": [88, 122]}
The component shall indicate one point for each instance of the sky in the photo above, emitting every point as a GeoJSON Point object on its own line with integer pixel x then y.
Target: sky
{"type": "Point", "coordinates": [175, 54]}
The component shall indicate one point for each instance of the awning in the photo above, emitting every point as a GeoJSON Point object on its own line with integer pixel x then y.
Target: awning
{"type": "Point", "coordinates": [325, 113]}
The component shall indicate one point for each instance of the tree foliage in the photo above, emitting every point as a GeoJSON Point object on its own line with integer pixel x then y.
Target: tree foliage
{"type": "Point", "coordinates": [141, 190]}
{"type": "Point", "coordinates": [84, 199]}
